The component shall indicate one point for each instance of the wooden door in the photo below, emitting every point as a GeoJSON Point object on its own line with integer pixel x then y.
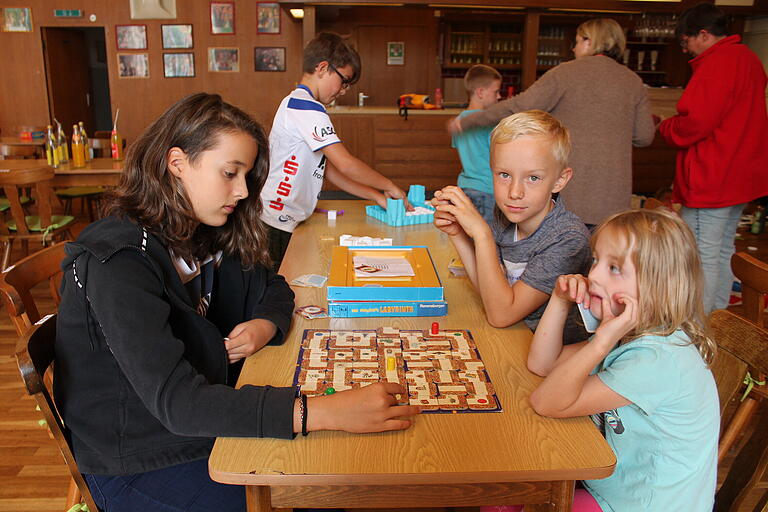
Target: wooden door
{"type": "Point", "coordinates": [385, 83]}
{"type": "Point", "coordinates": [68, 76]}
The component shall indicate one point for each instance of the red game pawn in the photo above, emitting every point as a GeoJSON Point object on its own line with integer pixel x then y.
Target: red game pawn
{"type": "Point", "coordinates": [435, 328]}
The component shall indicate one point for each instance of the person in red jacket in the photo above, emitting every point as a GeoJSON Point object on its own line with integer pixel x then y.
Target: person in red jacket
{"type": "Point", "coordinates": [721, 129]}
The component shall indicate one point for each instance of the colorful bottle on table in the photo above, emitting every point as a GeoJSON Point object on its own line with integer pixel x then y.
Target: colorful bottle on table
{"type": "Point", "coordinates": [78, 150]}
{"type": "Point", "coordinates": [86, 144]}
{"type": "Point", "coordinates": [117, 145]}
{"type": "Point", "coordinates": [51, 148]}
{"type": "Point", "coordinates": [63, 146]}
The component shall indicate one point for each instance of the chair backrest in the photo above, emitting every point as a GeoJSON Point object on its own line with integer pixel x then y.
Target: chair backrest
{"type": "Point", "coordinates": [38, 178]}
{"type": "Point", "coordinates": [753, 275]}
{"type": "Point", "coordinates": [741, 345]}
{"type": "Point", "coordinates": [14, 151]}
{"type": "Point", "coordinates": [35, 354]}
{"type": "Point", "coordinates": [17, 281]}
{"type": "Point", "coordinates": [102, 148]}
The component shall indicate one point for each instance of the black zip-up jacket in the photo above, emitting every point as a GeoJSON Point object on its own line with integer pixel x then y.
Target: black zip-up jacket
{"type": "Point", "coordinates": [140, 377]}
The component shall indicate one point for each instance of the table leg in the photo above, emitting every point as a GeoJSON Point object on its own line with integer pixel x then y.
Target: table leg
{"type": "Point", "coordinates": [562, 498]}
{"type": "Point", "coordinates": [258, 498]}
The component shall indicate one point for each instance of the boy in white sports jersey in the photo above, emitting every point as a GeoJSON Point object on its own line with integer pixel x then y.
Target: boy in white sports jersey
{"type": "Point", "coordinates": [303, 141]}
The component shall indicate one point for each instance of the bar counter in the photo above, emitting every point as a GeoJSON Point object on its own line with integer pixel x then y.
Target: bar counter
{"type": "Point", "coordinates": [418, 150]}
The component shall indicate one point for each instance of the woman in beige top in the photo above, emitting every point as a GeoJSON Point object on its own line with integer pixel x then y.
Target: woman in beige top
{"type": "Point", "coordinates": [605, 107]}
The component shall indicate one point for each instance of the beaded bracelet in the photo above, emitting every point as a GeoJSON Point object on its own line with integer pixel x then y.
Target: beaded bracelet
{"type": "Point", "coordinates": [303, 413]}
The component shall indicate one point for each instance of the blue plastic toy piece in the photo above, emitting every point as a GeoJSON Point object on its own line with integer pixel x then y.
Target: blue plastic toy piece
{"type": "Point", "coordinates": [395, 215]}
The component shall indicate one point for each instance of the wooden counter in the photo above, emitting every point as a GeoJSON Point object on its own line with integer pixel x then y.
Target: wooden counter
{"type": "Point", "coordinates": [418, 151]}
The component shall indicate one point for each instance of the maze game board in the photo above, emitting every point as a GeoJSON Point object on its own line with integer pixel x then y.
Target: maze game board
{"type": "Point", "coordinates": [443, 372]}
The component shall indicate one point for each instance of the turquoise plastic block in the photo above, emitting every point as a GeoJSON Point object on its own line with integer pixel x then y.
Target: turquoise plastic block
{"type": "Point", "coordinates": [395, 215]}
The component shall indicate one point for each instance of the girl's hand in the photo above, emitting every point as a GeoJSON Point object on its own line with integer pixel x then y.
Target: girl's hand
{"type": "Point", "coordinates": [613, 328]}
{"type": "Point", "coordinates": [452, 200]}
{"type": "Point", "coordinates": [248, 337]}
{"type": "Point", "coordinates": [370, 409]}
{"type": "Point", "coordinates": [572, 288]}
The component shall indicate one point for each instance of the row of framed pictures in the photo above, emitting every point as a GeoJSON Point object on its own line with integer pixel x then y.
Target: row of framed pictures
{"type": "Point", "coordinates": [222, 60]}
{"type": "Point", "coordinates": [134, 37]}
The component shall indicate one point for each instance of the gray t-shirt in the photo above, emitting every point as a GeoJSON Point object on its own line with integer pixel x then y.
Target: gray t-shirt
{"type": "Point", "coordinates": [559, 246]}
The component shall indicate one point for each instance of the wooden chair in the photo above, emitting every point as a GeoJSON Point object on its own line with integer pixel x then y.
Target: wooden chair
{"type": "Point", "coordinates": [44, 226]}
{"type": "Point", "coordinates": [741, 345]}
{"type": "Point", "coordinates": [17, 281]}
{"type": "Point", "coordinates": [35, 356]}
{"type": "Point", "coordinates": [753, 275]}
{"type": "Point", "coordinates": [90, 196]}
{"type": "Point", "coordinates": [17, 152]}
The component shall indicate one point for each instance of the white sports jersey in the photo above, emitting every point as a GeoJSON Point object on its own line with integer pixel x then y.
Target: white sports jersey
{"type": "Point", "coordinates": [296, 165]}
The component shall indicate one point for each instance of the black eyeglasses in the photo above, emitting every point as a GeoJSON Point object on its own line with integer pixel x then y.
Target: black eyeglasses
{"type": "Point", "coordinates": [345, 82]}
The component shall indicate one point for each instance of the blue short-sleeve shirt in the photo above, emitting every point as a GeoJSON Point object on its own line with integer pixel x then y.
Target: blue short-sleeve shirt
{"type": "Point", "coordinates": [666, 440]}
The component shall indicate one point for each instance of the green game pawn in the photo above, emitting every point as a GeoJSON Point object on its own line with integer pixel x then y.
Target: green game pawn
{"type": "Point", "coordinates": [330, 391]}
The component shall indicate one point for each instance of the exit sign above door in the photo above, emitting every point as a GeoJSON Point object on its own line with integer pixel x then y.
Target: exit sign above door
{"type": "Point", "coordinates": [67, 13]}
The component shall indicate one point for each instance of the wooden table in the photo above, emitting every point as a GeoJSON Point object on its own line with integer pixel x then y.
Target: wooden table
{"type": "Point", "coordinates": [465, 459]}
{"type": "Point", "coordinates": [98, 172]}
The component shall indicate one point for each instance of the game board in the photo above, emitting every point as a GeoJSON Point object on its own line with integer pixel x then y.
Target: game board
{"type": "Point", "coordinates": [442, 372]}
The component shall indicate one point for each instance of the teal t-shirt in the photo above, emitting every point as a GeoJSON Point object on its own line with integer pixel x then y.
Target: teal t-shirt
{"type": "Point", "coordinates": [474, 148]}
{"type": "Point", "coordinates": [666, 440]}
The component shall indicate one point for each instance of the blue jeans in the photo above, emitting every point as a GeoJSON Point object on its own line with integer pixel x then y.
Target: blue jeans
{"type": "Point", "coordinates": [181, 488]}
{"type": "Point", "coordinates": [483, 201]}
{"type": "Point", "coordinates": [715, 231]}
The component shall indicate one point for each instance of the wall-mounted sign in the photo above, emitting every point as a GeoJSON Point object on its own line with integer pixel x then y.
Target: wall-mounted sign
{"type": "Point", "coordinates": [395, 53]}
{"type": "Point", "coordinates": [67, 13]}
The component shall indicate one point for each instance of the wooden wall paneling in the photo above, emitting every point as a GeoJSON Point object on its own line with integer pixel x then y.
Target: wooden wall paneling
{"type": "Point", "coordinates": [427, 159]}
{"type": "Point", "coordinates": [530, 48]}
{"type": "Point", "coordinates": [369, 29]}
{"type": "Point", "coordinates": [143, 100]}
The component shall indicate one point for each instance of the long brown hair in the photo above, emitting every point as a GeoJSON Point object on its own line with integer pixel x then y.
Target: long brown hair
{"type": "Point", "coordinates": [670, 281]}
{"type": "Point", "coordinates": [151, 196]}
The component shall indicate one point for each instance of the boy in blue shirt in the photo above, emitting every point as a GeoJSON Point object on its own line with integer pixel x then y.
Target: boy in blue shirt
{"type": "Point", "coordinates": [474, 146]}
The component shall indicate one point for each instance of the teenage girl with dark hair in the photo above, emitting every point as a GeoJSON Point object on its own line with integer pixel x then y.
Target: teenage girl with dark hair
{"type": "Point", "coordinates": [162, 300]}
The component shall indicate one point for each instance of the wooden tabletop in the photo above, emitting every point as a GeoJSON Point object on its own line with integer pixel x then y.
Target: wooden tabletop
{"type": "Point", "coordinates": [516, 445]}
{"type": "Point", "coordinates": [97, 172]}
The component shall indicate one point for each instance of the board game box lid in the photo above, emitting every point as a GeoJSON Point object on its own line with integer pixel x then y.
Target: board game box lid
{"type": "Point", "coordinates": [343, 284]}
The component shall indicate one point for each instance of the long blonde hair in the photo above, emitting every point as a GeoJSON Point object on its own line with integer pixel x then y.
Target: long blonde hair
{"type": "Point", "coordinates": [670, 282]}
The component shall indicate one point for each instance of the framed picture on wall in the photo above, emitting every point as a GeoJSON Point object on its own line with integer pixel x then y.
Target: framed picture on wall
{"type": "Point", "coordinates": [17, 19]}
{"type": "Point", "coordinates": [177, 36]}
{"type": "Point", "coordinates": [133, 65]}
{"type": "Point", "coordinates": [269, 58]}
{"type": "Point", "coordinates": [268, 15]}
{"type": "Point", "coordinates": [131, 37]}
{"type": "Point", "coordinates": [178, 65]}
{"type": "Point", "coordinates": [395, 53]}
{"type": "Point", "coordinates": [222, 17]}
{"type": "Point", "coordinates": [224, 60]}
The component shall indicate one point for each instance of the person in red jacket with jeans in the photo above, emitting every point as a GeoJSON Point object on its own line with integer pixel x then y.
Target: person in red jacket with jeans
{"type": "Point", "coordinates": [721, 129]}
